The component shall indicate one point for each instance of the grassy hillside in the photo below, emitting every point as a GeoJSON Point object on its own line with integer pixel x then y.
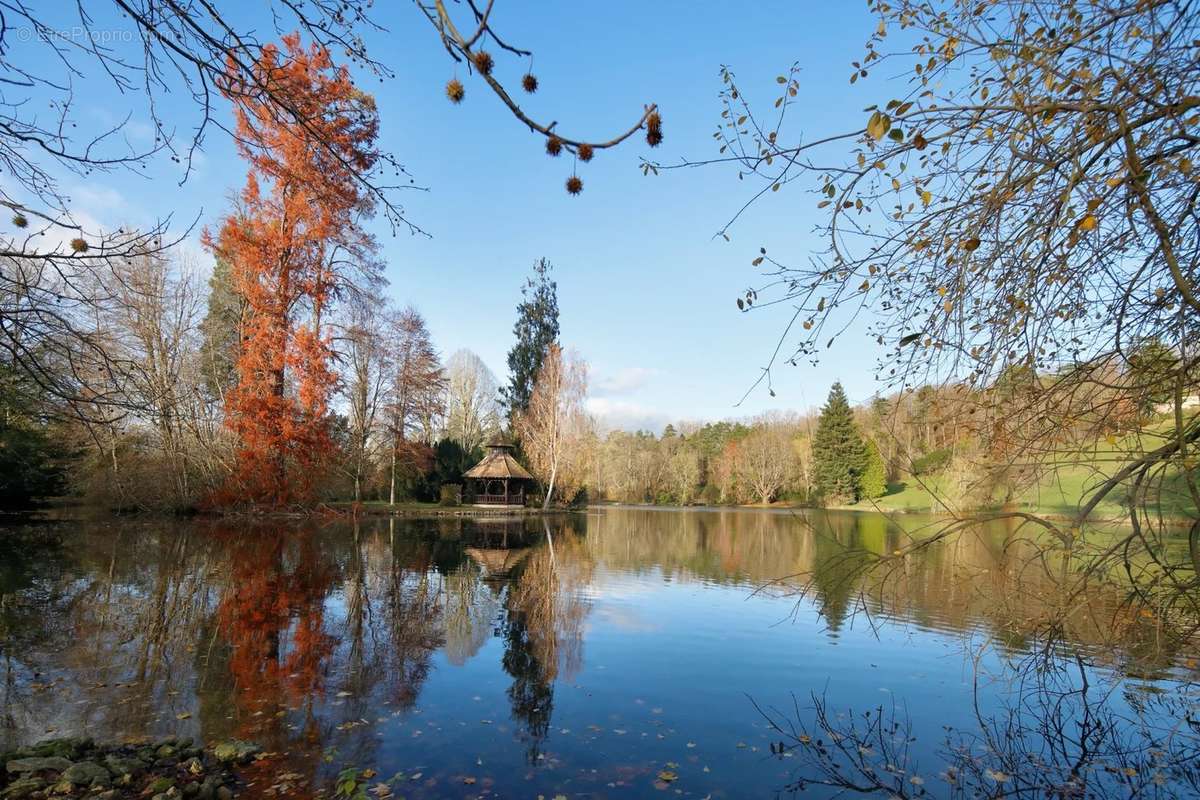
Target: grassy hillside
{"type": "Point", "coordinates": [1061, 488]}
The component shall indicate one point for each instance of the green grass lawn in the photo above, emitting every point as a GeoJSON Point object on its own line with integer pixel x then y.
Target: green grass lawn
{"type": "Point", "coordinates": [1060, 492]}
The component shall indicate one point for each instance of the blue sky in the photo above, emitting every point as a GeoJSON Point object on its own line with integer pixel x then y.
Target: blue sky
{"type": "Point", "coordinates": [646, 293]}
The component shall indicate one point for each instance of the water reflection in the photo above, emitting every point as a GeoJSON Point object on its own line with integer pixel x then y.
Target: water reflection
{"type": "Point", "coordinates": [564, 654]}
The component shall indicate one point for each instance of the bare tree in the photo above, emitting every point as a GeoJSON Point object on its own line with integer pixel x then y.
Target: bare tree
{"type": "Point", "coordinates": [417, 392]}
{"type": "Point", "coordinates": [685, 470]}
{"type": "Point", "coordinates": [554, 429]}
{"type": "Point", "coordinates": [765, 459]}
{"type": "Point", "coordinates": [370, 362]}
{"type": "Point", "coordinates": [472, 407]}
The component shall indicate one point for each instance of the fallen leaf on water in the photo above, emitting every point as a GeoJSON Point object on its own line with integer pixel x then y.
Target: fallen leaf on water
{"type": "Point", "coordinates": [667, 776]}
{"type": "Point", "coordinates": [183, 715]}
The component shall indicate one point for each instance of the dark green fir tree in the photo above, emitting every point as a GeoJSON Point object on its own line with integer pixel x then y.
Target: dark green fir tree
{"type": "Point", "coordinates": [535, 330]}
{"type": "Point", "coordinates": [839, 454]}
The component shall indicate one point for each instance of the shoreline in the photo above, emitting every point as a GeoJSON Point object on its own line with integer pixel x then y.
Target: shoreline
{"type": "Point", "coordinates": [1171, 520]}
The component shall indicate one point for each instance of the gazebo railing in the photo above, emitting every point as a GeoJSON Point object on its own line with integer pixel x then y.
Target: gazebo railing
{"type": "Point", "coordinates": [510, 499]}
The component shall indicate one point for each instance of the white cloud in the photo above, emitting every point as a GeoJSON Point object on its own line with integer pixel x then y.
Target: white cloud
{"type": "Point", "coordinates": [627, 379]}
{"type": "Point", "coordinates": [626, 415]}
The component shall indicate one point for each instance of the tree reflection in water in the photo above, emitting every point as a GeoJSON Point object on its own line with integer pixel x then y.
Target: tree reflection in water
{"type": "Point", "coordinates": [544, 610]}
{"type": "Point", "coordinates": [389, 642]}
{"type": "Point", "coordinates": [272, 616]}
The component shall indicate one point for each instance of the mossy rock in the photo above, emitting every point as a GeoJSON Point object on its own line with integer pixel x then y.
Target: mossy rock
{"type": "Point", "coordinates": [70, 747]}
{"type": "Point", "coordinates": [87, 773]}
{"type": "Point", "coordinates": [119, 765]}
{"type": "Point", "coordinates": [160, 785]}
{"type": "Point", "coordinates": [39, 764]}
{"type": "Point", "coordinates": [236, 751]}
{"type": "Point", "coordinates": [22, 788]}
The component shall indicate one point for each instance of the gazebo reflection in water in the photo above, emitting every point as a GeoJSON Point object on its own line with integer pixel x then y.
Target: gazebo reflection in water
{"type": "Point", "coordinates": [498, 479]}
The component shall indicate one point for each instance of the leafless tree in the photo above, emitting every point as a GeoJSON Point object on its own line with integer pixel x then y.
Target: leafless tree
{"type": "Point", "coordinates": [417, 391]}
{"type": "Point", "coordinates": [472, 407]}
{"type": "Point", "coordinates": [554, 428]}
{"type": "Point", "coordinates": [370, 364]}
{"type": "Point", "coordinates": [765, 459]}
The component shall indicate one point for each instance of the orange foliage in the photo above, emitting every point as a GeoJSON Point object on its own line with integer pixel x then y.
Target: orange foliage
{"type": "Point", "coordinates": [295, 220]}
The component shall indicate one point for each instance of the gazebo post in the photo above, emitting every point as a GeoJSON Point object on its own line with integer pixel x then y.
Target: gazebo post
{"type": "Point", "coordinates": [506, 491]}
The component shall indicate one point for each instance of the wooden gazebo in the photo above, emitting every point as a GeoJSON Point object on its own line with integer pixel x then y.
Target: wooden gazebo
{"type": "Point", "coordinates": [499, 479]}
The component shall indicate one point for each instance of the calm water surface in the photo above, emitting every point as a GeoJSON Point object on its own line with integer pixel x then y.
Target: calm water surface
{"type": "Point", "coordinates": [581, 655]}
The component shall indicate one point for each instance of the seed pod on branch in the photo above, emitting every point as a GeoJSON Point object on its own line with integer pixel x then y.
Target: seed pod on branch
{"type": "Point", "coordinates": [654, 135]}
{"type": "Point", "coordinates": [483, 61]}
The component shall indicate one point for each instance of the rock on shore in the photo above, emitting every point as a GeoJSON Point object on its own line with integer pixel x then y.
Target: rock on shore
{"type": "Point", "coordinates": [168, 769]}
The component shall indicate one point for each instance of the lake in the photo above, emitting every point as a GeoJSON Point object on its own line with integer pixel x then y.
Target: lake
{"type": "Point", "coordinates": [617, 653]}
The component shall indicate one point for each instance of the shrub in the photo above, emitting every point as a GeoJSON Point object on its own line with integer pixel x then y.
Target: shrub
{"type": "Point", "coordinates": [451, 494]}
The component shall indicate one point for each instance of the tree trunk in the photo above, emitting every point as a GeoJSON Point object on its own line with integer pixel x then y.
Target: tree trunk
{"type": "Point", "coordinates": [550, 486]}
{"type": "Point", "coordinates": [392, 489]}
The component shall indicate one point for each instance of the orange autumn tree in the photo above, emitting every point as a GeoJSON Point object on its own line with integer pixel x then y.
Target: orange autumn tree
{"type": "Point", "coordinates": [294, 230]}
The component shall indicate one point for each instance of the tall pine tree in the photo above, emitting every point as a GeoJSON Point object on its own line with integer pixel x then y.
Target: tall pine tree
{"type": "Point", "coordinates": [536, 329]}
{"type": "Point", "coordinates": [839, 454]}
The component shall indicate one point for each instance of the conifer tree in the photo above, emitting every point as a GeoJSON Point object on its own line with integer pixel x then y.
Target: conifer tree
{"type": "Point", "coordinates": [221, 331]}
{"type": "Point", "coordinates": [839, 455]}
{"type": "Point", "coordinates": [536, 329]}
{"type": "Point", "coordinates": [873, 482]}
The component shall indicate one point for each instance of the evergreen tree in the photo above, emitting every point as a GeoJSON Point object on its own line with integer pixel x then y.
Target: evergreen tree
{"type": "Point", "coordinates": [873, 482]}
{"type": "Point", "coordinates": [221, 331]}
{"type": "Point", "coordinates": [31, 460]}
{"type": "Point", "coordinates": [536, 329]}
{"type": "Point", "coordinates": [839, 454]}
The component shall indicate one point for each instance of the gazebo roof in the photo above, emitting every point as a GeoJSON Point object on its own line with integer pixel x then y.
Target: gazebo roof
{"type": "Point", "coordinates": [498, 463]}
